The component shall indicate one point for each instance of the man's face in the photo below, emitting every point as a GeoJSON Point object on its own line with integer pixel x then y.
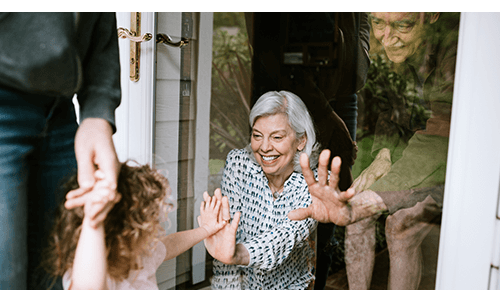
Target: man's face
{"type": "Point", "coordinates": [400, 33]}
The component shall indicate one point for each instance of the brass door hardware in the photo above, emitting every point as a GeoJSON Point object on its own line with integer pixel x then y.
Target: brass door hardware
{"type": "Point", "coordinates": [125, 33]}
{"type": "Point", "coordinates": [164, 38]}
{"type": "Point", "coordinates": [135, 43]}
{"type": "Point", "coordinates": [135, 37]}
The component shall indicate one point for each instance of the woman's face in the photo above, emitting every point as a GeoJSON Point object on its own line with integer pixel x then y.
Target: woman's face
{"type": "Point", "coordinates": [274, 145]}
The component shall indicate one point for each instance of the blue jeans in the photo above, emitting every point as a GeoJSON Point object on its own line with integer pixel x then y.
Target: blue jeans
{"type": "Point", "coordinates": [36, 154]}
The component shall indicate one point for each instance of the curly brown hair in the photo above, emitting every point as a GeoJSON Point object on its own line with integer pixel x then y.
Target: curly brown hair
{"type": "Point", "coordinates": [130, 227]}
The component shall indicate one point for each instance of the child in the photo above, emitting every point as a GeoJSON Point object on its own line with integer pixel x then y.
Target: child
{"type": "Point", "coordinates": [123, 251]}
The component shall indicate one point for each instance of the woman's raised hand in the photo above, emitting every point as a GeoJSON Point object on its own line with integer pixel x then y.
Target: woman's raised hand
{"type": "Point", "coordinates": [329, 204]}
{"type": "Point", "coordinates": [222, 245]}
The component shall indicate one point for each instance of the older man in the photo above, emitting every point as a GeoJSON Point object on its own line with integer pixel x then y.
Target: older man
{"type": "Point", "coordinates": [406, 178]}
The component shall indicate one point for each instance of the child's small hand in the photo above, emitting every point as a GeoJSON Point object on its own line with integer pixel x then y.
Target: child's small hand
{"type": "Point", "coordinates": [209, 218]}
{"type": "Point", "coordinates": [77, 197]}
{"type": "Point", "coordinates": [97, 205]}
{"type": "Point", "coordinates": [99, 201]}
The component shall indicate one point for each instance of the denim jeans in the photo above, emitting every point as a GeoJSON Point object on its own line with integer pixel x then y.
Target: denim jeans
{"type": "Point", "coordinates": [36, 154]}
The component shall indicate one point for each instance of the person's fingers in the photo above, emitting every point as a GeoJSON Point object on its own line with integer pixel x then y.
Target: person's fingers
{"type": "Point", "coordinates": [207, 201]}
{"type": "Point", "coordinates": [226, 215]}
{"type": "Point", "coordinates": [110, 168]}
{"type": "Point", "coordinates": [347, 195]}
{"type": "Point", "coordinates": [300, 213]}
{"type": "Point", "coordinates": [101, 215]}
{"type": "Point", "coordinates": [217, 206]}
{"type": "Point", "coordinates": [236, 221]}
{"type": "Point", "coordinates": [118, 197]}
{"type": "Point", "coordinates": [199, 221]}
{"type": "Point", "coordinates": [95, 213]}
{"type": "Point", "coordinates": [206, 197]}
{"type": "Point", "coordinates": [323, 167]}
{"type": "Point", "coordinates": [218, 194]}
{"type": "Point", "coordinates": [335, 171]}
{"type": "Point", "coordinates": [75, 202]}
{"type": "Point", "coordinates": [86, 168]}
{"type": "Point", "coordinates": [99, 174]}
{"type": "Point", "coordinates": [77, 192]}
{"type": "Point", "coordinates": [202, 207]}
{"type": "Point", "coordinates": [213, 202]}
{"type": "Point", "coordinates": [306, 170]}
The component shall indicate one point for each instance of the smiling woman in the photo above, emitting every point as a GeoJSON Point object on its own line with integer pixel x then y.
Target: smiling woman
{"type": "Point", "coordinates": [281, 125]}
{"type": "Point", "coordinates": [264, 183]}
{"type": "Point", "coordinates": [298, 118]}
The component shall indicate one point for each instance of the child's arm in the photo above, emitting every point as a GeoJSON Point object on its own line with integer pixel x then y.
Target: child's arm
{"type": "Point", "coordinates": [90, 263]}
{"type": "Point", "coordinates": [210, 223]}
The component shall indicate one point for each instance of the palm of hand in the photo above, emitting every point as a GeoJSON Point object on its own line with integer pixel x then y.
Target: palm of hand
{"type": "Point", "coordinates": [329, 204]}
{"type": "Point", "coordinates": [222, 245]}
{"type": "Point", "coordinates": [326, 209]}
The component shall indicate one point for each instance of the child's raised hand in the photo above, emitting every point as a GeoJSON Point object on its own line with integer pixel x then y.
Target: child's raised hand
{"type": "Point", "coordinates": [78, 197]}
{"type": "Point", "coordinates": [97, 202]}
{"type": "Point", "coordinates": [209, 218]}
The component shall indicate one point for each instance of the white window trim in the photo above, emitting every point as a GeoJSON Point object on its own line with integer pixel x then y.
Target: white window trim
{"type": "Point", "coordinates": [467, 240]}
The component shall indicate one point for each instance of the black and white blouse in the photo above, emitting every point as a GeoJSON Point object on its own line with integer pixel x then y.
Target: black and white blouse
{"type": "Point", "coordinates": [281, 252]}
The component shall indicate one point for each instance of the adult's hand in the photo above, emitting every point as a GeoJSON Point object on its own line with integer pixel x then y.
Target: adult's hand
{"type": "Point", "coordinates": [329, 204]}
{"type": "Point", "coordinates": [94, 150]}
{"type": "Point", "coordinates": [380, 166]}
{"type": "Point", "coordinates": [97, 204]}
{"type": "Point", "coordinates": [222, 245]}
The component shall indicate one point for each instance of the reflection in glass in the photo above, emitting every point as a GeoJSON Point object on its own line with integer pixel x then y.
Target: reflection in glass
{"type": "Point", "coordinates": [402, 134]}
{"type": "Point", "coordinates": [411, 83]}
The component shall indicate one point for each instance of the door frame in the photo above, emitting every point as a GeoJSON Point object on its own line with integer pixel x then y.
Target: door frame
{"type": "Point", "coordinates": [135, 116]}
{"type": "Point", "coordinates": [469, 255]}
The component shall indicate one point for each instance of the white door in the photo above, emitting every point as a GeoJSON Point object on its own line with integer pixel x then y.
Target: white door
{"type": "Point", "coordinates": [135, 115]}
{"type": "Point", "coordinates": [153, 117]}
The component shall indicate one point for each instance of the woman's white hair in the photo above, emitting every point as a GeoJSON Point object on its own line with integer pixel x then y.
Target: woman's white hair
{"type": "Point", "coordinates": [283, 102]}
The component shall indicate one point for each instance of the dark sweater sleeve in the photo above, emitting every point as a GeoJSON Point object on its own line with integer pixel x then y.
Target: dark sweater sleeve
{"type": "Point", "coordinates": [100, 93]}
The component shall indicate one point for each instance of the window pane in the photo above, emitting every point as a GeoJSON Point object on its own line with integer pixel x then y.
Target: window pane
{"type": "Point", "coordinates": [397, 109]}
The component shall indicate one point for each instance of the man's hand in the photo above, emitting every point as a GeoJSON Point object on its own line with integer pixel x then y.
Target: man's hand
{"type": "Point", "coordinates": [94, 150]}
{"type": "Point", "coordinates": [377, 169]}
{"type": "Point", "coordinates": [97, 202]}
{"type": "Point", "coordinates": [329, 204]}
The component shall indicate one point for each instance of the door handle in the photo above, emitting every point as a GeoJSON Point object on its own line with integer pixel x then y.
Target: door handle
{"type": "Point", "coordinates": [135, 37]}
{"type": "Point", "coordinates": [134, 34]}
{"type": "Point", "coordinates": [125, 33]}
{"type": "Point", "coordinates": [160, 38]}
{"type": "Point", "coordinates": [166, 39]}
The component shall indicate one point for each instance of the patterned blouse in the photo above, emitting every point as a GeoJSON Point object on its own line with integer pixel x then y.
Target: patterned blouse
{"type": "Point", "coordinates": [281, 253]}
